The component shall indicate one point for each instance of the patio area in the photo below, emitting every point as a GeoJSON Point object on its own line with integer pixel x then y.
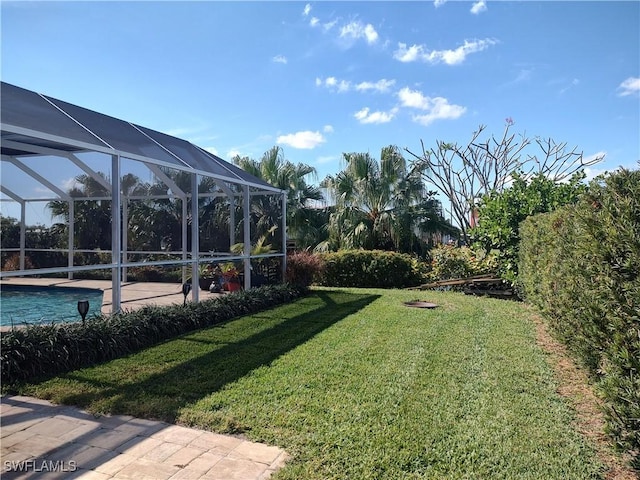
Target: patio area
{"type": "Point", "coordinates": [51, 441]}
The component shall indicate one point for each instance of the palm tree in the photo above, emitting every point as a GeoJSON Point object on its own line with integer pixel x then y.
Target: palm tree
{"type": "Point", "coordinates": [92, 218]}
{"type": "Point", "coordinates": [379, 205]}
{"type": "Point", "coordinates": [285, 175]}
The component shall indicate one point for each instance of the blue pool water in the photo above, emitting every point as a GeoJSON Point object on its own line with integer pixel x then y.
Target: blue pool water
{"type": "Point", "coordinates": [36, 305]}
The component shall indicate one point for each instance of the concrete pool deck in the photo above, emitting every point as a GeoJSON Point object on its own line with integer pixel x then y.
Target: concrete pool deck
{"type": "Point", "coordinates": [133, 295]}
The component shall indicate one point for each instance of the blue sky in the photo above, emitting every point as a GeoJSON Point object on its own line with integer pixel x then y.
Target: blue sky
{"type": "Point", "coordinates": [323, 78]}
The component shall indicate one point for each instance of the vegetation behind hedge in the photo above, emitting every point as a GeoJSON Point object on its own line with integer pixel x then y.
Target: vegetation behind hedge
{"type": "Point", "coordinates": [581, 266]}
{"type": "Point", "coordinates": [371, 268]}
{"type": "Point", "coordinates": [449, 261]}
{"type": "Point", "coordinates": [500, 214]}
{"type": "Point", "coordinates": [45, 350]}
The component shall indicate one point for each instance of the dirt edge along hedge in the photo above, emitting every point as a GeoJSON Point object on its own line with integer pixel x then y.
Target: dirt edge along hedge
{"type": "Point", "coordinates": [581, 267]}
{"type": "Point", "coordinates": [45, 350]}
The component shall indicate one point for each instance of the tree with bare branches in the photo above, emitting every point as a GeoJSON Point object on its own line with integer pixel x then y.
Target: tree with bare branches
{"type": "Point", "coordinates": [463, 174]}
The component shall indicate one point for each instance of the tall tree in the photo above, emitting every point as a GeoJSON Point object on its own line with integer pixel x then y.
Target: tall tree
{"type": "Point", "coordinates": [378, 204]}
{"type": "Point", "coordinates": [463, 174]}
{"type": "Point", "coordinates": [92, 218]}
{"type": "Point", "coordinates": [283, 174]}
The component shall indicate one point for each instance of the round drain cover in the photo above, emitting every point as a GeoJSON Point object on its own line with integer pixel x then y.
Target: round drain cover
{"type": "Point", "coordinates": [420, 304]}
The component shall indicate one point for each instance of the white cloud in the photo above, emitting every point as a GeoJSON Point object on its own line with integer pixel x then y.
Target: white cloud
{"type": "Point", "coordinates": [438, 3]}
{"type": "Point", "coordinates": [328, 129]}
{"type": "Point", "coordinates": [370, 33]}
{"type": "Point", "coordinates": [333, 83]}
{"type": "Point", "coordinates": [314, 21]}
{"type": "Point", "coordinates": [450, 57]}
{"type": "Point", "coordinates": [592, 157]}
{"type": "Point", "coordinates": [212, 150]}
{"type": "Point", "coordinates": [437, 108]}
{"type": "Point", "coordinates": [357, 30]}
{"type": "Point", "coordinates": [454, 57]}
{"type": "Point", "coordinates": [329, 25]}
{"type": "Point", "coordinates": [479, 7]}
{"type": "Point", "coordinates": [65, 185]}
{"type": "Point", "coordinates": [365, 116]}
{"type": "Point", "coordinates": [381, 86]}
{"type": "Point", "coordinates": [280, 59]}
{"type": "Point", "coordinates": [307, 10]}
{"type": "Point", "coordinates": [302, 140]}
{"type": "Point", "coordinates": [593, 171]}
{"type": "Point", "coordinates": [233, 152]}
{"type": "Point", "coordinates": [410, 54]}
{"type": "Point", "coordinates": [342, 86]}
{"type": "Point", "coordinates": [630, 86]}
{"type": "Point", "coordinates": [413, 99]}
{"type": "Point", "coordinates": [440, 109]}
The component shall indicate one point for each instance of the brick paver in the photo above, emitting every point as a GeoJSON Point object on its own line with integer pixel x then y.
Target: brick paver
{"type": "Point", "coordinates": [47, 441]}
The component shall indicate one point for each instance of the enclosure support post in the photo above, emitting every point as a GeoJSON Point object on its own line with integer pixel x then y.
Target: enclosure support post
{"type": "Point", "coordinates": [185, 246]}
{"type": "Point", "coordinates": [125, 235]}
{"type": "Point", "coordinates": [246, 210]}
{"type": "Point", "coordinates": [195, 239]}
{"type": "Point", "coordinates": [72, 216]}
{"type": "Point", "coordinates": [116, 234]}
{"type": "Point", "coordinates": [23, 233]}
{"type": "Point", "coordinates": [232, 219]}
{"type": "Point", "coordinates": [284, 235]}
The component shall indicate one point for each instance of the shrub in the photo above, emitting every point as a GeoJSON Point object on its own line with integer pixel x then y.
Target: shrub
{"type": "Point", "coordinates": [303, 268]}
{"type": "Point", "coordinates": [449, 261]}
{"type": "Point", "coordinates": [147, 273]}
{"type": "Point", "coordinates": [581, 266]}
{"type": "Point", "coordinates": [500, 214]}
{"type": "Point", "coordinates": [13, 263]}
{"type": "Point", "coordinates": [45, 350]}
{"type": "Point", "coordinates": [371, 268]}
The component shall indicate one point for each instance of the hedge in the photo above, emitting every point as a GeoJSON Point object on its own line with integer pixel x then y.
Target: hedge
{"type": "Point", "coordinates": [450, 261]}
{"type": "Point", "coordinates": [581, 266]}
{"type": "Point", "coordinates": [371, 268]}
{"type": "Point", "coordinates": [45, 350]}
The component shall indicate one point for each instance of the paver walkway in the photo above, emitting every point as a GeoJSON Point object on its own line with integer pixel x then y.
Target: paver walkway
{"type": "Point", "coordinates": [46, 441]}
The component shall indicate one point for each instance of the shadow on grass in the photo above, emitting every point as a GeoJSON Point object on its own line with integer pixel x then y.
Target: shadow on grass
{"type": "Point", "coordinates": [211, 361]}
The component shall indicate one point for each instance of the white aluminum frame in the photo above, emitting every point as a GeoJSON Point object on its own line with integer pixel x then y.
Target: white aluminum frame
{"type": "Point", "coordinates": [119, 254]}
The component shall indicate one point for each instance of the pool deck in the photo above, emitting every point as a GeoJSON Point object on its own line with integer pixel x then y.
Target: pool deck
{"type": "Point", "coordinates": [133, 295]}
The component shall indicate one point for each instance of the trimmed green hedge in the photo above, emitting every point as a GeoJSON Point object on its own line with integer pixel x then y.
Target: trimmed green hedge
{"type": "Point", "coordinates": [581, 266]}
{"type": "Point", "coordinates": [371, 268]}
{"type": "Point", "coordinates": [46, 350]}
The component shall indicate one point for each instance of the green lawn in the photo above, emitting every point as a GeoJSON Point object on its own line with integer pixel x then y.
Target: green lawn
{"type": "Point", "coordinates": [355, 385]}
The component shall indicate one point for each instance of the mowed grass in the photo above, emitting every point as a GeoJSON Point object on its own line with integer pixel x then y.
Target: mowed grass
{"type": "Point", "coordinates": [354, 385]}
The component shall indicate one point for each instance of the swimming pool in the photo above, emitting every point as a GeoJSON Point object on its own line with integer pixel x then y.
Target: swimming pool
{"type": "Point", "coordinates": [21, 304]}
